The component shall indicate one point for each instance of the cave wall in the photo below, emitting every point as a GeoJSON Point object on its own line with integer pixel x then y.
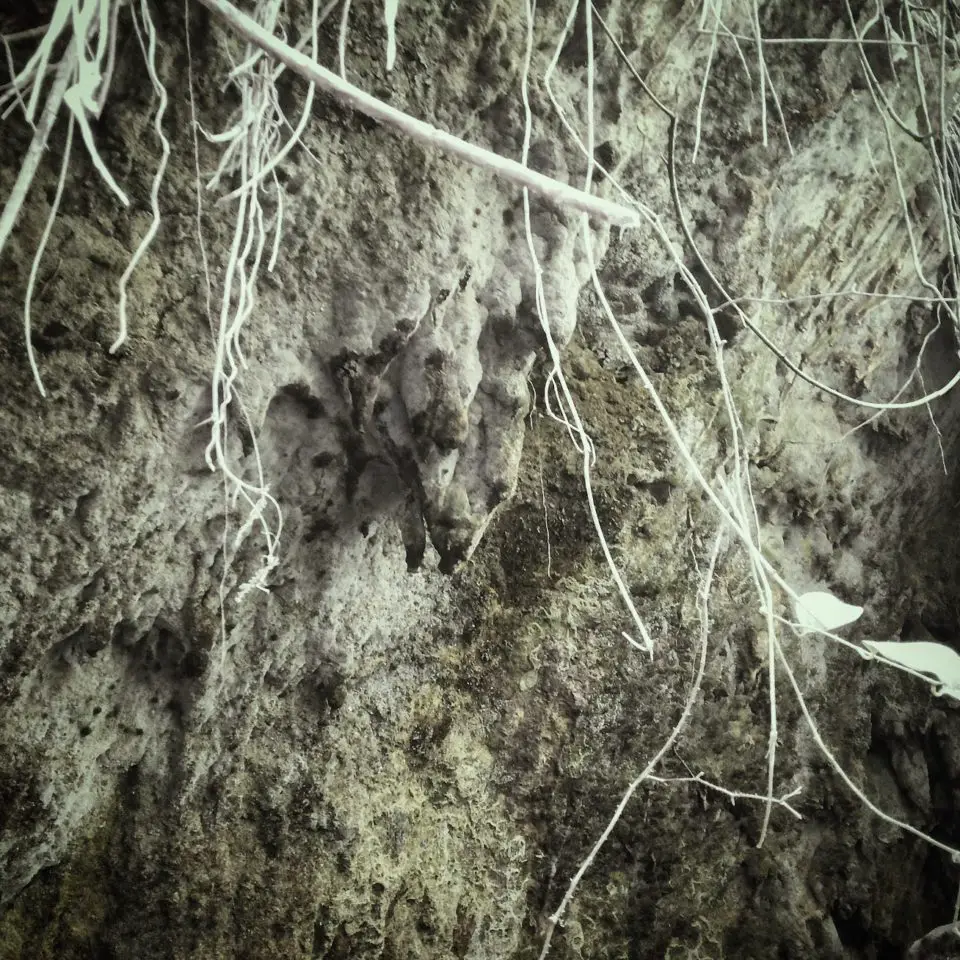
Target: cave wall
{"type": "Point", "coordinates": [408, 743]}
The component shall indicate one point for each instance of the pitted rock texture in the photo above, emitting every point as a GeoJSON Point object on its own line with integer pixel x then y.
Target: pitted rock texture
{"type": "Point", "coordinates": [386, 382]}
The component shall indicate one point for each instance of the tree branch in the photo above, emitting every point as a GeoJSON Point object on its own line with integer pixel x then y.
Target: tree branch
{"type": "Point", "coordinates": [561, 194]}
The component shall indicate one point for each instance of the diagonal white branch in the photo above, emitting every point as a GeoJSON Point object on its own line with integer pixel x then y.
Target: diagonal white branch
{"type": "Point", "coordinates": [561, 194]}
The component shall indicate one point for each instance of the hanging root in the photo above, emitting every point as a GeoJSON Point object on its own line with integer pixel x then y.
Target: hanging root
{"type": "Point", "coordinates": [80, 86]}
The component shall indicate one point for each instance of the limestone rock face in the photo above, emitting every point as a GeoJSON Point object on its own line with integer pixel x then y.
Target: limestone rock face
{"type": "Point", "coordinates": [361, 690]}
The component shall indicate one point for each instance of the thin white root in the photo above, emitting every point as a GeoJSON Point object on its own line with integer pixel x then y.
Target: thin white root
{"type": "Point", "coordinates": [28, 169]}
{"type": "Point", "coordinates": [150, 58]}
{"type": "Point", "coordinates": [38, 256]}
{"type": "Point", "coordinates": [390, 20]}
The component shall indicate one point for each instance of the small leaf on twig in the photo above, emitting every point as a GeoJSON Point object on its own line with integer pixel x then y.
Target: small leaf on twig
{"type": "Point", "coordinates": [924, 656]}
{"type": "Point", "coordinates": [818, 611]}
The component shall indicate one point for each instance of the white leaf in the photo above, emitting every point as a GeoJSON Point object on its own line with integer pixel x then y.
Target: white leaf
{"type": "Point", "coordinates": [818, 611]}
{"type": "Point", "coordinates": [390, 18]}
{"type": "Point", "coordinates": [924, 657]}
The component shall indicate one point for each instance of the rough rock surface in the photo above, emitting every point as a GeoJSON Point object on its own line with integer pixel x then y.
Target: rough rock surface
{"type": "Point", "coordinates": [408, 744]}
